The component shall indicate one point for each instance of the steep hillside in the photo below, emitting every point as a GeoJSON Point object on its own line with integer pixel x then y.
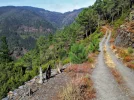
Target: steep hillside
{"type": "Point", "coordinates": [23, 25]}
{"type": "Point", "coordinates": [69, 17]}
{"type": "Point", "coordinates": [57, 19]}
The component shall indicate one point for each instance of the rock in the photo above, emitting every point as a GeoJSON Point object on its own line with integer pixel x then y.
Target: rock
{"type": "Point", "coordinates": [124, 38]}
{"type": "Point", "coordinates": [5, 98]}
{"type": "Point", "coordinates": [21, 87]}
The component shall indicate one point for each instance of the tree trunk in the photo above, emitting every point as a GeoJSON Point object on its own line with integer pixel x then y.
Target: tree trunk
{"type": "Point", "coordinates": [112, 19]}
{"type": "Point", "coordinates": [122, 10]}
{"type": "Point", "coordinates": [86, 33]}
{"type": "Point", "coordinates": [98, 20]}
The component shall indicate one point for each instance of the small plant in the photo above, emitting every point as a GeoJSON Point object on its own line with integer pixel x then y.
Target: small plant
{"type": "Point", "coordinates": [131, 65]}
{"type": "Point", "coordinates": [90, 60]}
{"type": "Point", "coordinates": [113, 47]}
{"type": "Point", "coordinates": [130, 50]}
{"type": "Point", "coordinates": [127, 59]}
{"type": "Point", "coordinates": [123, 53]}
{"type": "Point", "coordinates": [94, 45]}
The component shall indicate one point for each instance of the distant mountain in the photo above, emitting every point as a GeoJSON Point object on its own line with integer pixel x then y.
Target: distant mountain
{"type": "Point", "coordinates": [57, 19]}
{"type": "Point", "coordinates": [23, 25]}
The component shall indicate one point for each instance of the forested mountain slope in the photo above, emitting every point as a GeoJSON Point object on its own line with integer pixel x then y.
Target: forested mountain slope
{"type": "Point", "coordinates": [57, 19]}
{"type": "Point", "coordinates": [72, 44]}
{"type": "Point", "coordinates": [24, 25]}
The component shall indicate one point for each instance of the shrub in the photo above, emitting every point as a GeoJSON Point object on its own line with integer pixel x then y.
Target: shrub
{"type": "Point", "coordinates": [80, 68]}
{"type": "Point", "coordinates": [113, 47]}
{"type": "Point", "coordinates": [90, 60]}
{"type": "Point", "coordinates": [94, 45]}
{"type": "Point", "coordinates": [130, 50]}
{"type": "Point", "coordinates": [130, 65]}
{"type": "Point", "coordinates": [127, 59]}
{"type": "Point", "coordinates": [78, 54]}
{"type": "Point", "coordinates": [122, 53]}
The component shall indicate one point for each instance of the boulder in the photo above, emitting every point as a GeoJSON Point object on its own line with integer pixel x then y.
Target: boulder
{"type": "Point", "coordinates": [124, 38]}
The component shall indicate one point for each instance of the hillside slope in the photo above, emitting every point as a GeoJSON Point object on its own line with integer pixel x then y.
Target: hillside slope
{"type": "Point", "coordinates": [57, 19]}
{"type": "Point", "coordinates": [24, 25]}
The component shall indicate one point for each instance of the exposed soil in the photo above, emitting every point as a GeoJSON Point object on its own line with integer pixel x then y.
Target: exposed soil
{"type": "Point", "coordinates": [49, 90]}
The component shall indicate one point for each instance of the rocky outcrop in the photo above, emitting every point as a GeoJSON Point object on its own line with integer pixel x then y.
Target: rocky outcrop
{"type": "Point", "coordinates": [125, 37]}
{"type": "Point", "coordinates": [18, 52]}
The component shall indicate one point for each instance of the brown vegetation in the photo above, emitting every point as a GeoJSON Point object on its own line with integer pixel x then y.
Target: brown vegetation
{"type": "Point", "coordinates": [130, 65]}
{"type": "Point", "coordinates": [117, 76]}
{"type": "Point", "coordinates": [81, 86]}
{"type": "Point", "coordinates": [123, 53]}
{"type": "Point", "coordinates": [127, 59]}
{"type": "Point", "coordinates": [80, 68]}
{"type": "Point", "coordinates": [109, 62]}
{"type": "Point", "coordinates": [112, 40]}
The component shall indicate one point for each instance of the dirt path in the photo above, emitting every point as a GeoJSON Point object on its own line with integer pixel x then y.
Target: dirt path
{"type": "Point", "coordinates": [106, 87]}
{"type": "Point", "coordinates": [127, 73]}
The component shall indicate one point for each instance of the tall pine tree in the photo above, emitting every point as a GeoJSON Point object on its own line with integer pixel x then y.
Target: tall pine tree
{"type": "Point", "coordinates": [4, 51]}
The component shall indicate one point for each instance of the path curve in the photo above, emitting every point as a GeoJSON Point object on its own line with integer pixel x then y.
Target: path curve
{"type": "Point", "coordinates": [127, 73]}
{"type": "Point", "coordinates": [106, 87]}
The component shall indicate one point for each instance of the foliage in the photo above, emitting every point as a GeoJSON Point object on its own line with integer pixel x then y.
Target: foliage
{"type": "Point", "coordinates": [130, 50]}
{"type": "Point", "coordinates": [78, 54]}
{"type": "Point", "coordinates": [94, 44]}
{"type": "Point", "coordinates": [66, 61]}
{"type": "Point", "coordinates": [4, 51]}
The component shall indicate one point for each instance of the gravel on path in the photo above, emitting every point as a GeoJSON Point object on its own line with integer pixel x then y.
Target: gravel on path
{"type": "Point", "coordinates": [127, 73]}
{"type": "Point", "coordinates": [106, 86]}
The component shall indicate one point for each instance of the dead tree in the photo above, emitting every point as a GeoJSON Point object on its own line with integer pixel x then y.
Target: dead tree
{"type": "Point", "coordinates": [48, 73]}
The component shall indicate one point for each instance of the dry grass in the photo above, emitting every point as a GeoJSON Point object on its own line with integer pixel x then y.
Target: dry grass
{"type": "Point", "coordinates": [81, 86]}
{"type": "Point", "coordinates": [112, 40]}
{"type": "Point", "coordinates": [80, 68]}
{"type": "Point", "coordinates": [109, 62]}
{"type": "Point", "coordinates": [117, 76]}
{"type": "Point", "coordinates": [123, 54]}
{"type": "Point", "coordinates": [79, 89]}
{"type": "Point", "coordinates": [92, 57]}
{"type": "Point", "coordinates": [130, 65]}
{"type": "Point", "coordinates": [108, 59]}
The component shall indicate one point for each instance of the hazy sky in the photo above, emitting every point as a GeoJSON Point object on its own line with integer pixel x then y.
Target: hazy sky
{"type": "Point", "coordinates": [52, 5]}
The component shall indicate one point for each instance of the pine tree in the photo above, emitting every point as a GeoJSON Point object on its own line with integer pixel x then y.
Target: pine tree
{"type": "Point", "coordinates": [78, 54]}
{"type": "Point", "coordinates": [4, 51]}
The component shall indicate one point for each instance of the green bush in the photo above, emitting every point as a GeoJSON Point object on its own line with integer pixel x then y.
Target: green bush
{"type": "Point", "coordinates": [78, 54]}
{"type": "Point", "coordinates": [94, 45]}
{"type": "Point", "coordinates": [66, 61]}
{"type": "Point", "coordinates": [130, 50]}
